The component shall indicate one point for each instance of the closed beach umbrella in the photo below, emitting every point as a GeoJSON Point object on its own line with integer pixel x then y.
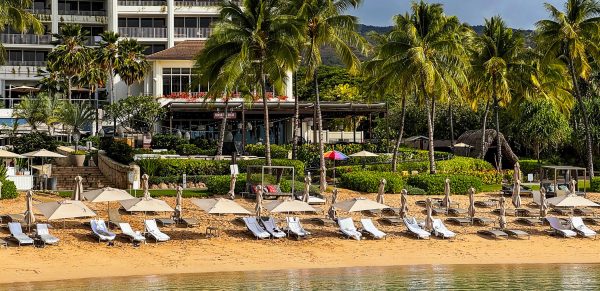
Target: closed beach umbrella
{"type": "Point", "coordinates": [145, 203]}
{"type": "Point", "coordinates": [306, 193]}
{"type": "Point", "coordinates": [78, 191]}
{"type": "Point", "coordinates": [231, 193]}
{"type": "Point", "coordinates": [258, 208]}
{"type": "Point", "coordinates": [219, 206]}
{"type": "Point", "coordinates": [289, 205]}
{"type": "Point", "coordinates": [543, 203]}
{"type": "Point", "coordinates": [502, 219]}
{"type": "Point", "coordinates": [471, 209]}
{"type": "Point", "coordinates": [334, 196]}
{"type": "Point", "coordinates": [381, 192]}
{"type": "Point", "coordinates": [332, 212]}
{"type": "Point", "coordinates": [403, 203]}
{"type": "Point", "coordinates": [572, 186]}
{"type": "Point", "coordinates": [64, 209]}
{"type": "Point", "coordinates": [516, 195]}
{"type": "Point", "coordinates": [359, 204]}
{"type": "Point", "coordinates": [106, 194]}
{"type": "Point", "coordinates": [517, 172]}
{"type": "Point", "coordinates": [446, 202]}
{"type": "Point", "coordinates": [429, 218]}
{"type": "Point", "coordinates": [29, 216]}
{"type": "Point", "coordinates": [179, 203]}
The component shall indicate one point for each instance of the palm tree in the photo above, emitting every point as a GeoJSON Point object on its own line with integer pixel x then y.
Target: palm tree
{"type": "Point", "coordinates": [31, 109]}
{"type": "Point", "coordinates": [107, 57]}
{"type": "Point", "coordinates": [496, 66]}
{"type": "Point", "coordinates": [571, 36]}
{"type": "Point", "coordinates": [326, 25]}
{"type": "Point", "coordinates": [423, 55]}
{"type": "Point", "coordinates": [52, 106]}
{"type": "Point", "coordinates": [131, 63]}
{"type": "Point", "coordinates": [69, 56]}
{"type": "Point", "coordinates": [76, 116]}
{"type": "Point", "coordinates": [14, 14]}
{"type": "Point", "coordinates": [249, 44]}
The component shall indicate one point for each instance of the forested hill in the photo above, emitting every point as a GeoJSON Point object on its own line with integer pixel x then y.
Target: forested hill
{"type": "Point", "coordinates": [330, 59]}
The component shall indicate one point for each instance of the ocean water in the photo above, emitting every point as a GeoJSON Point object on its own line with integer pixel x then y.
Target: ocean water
{"type": "Point", "coordinates": [453, 277]}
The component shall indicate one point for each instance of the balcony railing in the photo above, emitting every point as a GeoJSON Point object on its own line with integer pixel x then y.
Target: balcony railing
{"type": "Point", "coordinates": [82, 13]}
{"type": "Point", "coordinates": [150, 32]}
{"type": "Point", "coordinates": [182, 32]}
{"type": "Point", "coordinates": [196, 3]}
{"type": "Point", "coordinates": [26, 63]}
{"type": "Point", "coordinates": [142, 3]}
{"type": "Point", "coordinates": [39, 11]}
{"type": "Point", "coordinates": [17, 38]}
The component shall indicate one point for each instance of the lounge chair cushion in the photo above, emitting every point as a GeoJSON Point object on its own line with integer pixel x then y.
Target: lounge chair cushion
{"type": "Point", "coordinates": [348, 229]}
{"type": "Point", "coordinates": [414, 228]}
{"type": "Point", "coordinates": [153, 230]}
{"type": "Point", "coordinates": [370, 228]}
{"type": "Point", "coordinates": [257, 230]}
{"type": "Point", "coordinates": [17, 234]}
{"type": "Point", "coordinates": [440, 230]}
{"type": "Point", "coordinates": [44, 234]}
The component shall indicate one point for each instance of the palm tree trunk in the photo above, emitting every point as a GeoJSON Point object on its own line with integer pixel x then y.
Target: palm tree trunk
{"type": "Point", "coordinates": [267, 128]}
{"type": "Point", "coordinates": [128, 90]}
{"type": "Point", "coordinates": [322, 168]}
{"type": "Point", "coordinates": [69, 85]}
{"type": "Point", "coordinates": [498, 144]}
{"type": "Point", "coordinates": [399, 138]}
{"type": "Point", "coordinates": [451, 116]}
{"type": "Point", "coordinates": [430, 128]}
{"type": "Point", "coordinates": [296, 123]}
{"type": "Point", "coordinates": [112, 84]}
{"type": "Point", "coordinates": [222, 132]}
{"type": "Point", "coordinates": [483, 128]}
{"type": "Point", "coordinates": [586, 121]}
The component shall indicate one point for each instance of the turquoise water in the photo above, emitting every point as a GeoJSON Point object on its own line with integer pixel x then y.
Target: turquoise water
{"type": "Point", "coordinates": [504, 277]}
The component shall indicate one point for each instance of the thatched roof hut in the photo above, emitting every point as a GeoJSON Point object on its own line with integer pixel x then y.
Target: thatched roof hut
{"type": "Point", "coordinates": [473, 138]}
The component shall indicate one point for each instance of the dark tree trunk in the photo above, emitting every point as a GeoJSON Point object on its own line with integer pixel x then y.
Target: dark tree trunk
{"type": "Point", "coordinates": [451, 115]}
{"type": "Point", "coordinates": [399, 138]}
{"type": "Point", "coordinates": [266, 117]}
{"type": "Point", "coordinates": [483, 128]}
{"type": "Point", "coordinates": [498, 144]}
{"type": "Point", "coordinates": [322, 168]}
{"type": "Point", "coordinates": [296, 124]}
{"type": "Point", "coordinates": [586, 121]}
{"type": "Point", "coordinates": [222, 131]}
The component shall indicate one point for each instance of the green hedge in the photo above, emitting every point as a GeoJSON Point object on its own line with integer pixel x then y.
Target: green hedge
{"type": "Point", "coordinates": [9, 190]}
{"type": "Point", "coordinates": [193, 167]}
{"type": "Point", "coordinates": [529, 166]}
{"type": "Point", "coordinates": [434, 184]}
{"type": "Point", "coordinates": [120, 152]}
{"type": "Point", "coordinates": [220, 184]}
{"type": "Point", "coordinates": [365, 181]}
{"type": "Point", "coordinates": [458, 165]}
{"type": "Point", "coordinates": [595, 185]}
{"type": "Point", "coordinates": [277, 151]}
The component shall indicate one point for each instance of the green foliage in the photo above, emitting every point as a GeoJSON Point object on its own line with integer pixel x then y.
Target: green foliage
{"type": "Point", "coordinates": [329, 79]}
{"type": "Point", "coordinates": [148, 166]}
{"type": "Point", "coordinates": [137, 112]}
{"type": "Point", "coordinates": [34, 141]}
{"type": "Point", "coordinates": [298, 165]}
{"type": "Point", "coordinates": [530, 166]}
{"type": "Point", "coordinates": [458, 165]}
{"type": "Point", "coordinates": [595, 184]}
{"type": "Point", "coordinates": [167, 141]}
{"type": "Point", "coordinates": [78, 152]}
{"type": "Point", "coordinates": [220, 184]}
{"type": "Point", "coordinates": [277, 151]}
{"type": "Point", "coordinates": [188, 149]}
{"type": "Point", "coordinates": [414, 190]}
{"type": "Point", "coordinates": [365, 181]}
{"type": "Point", "coordinates": [434, 184]}
{"type": "Point", "coordinates": [9, 190]}
{"type": "Point", "coordinates": [120, 152]}
{"type": "Point", "coordinates": [76, 115]}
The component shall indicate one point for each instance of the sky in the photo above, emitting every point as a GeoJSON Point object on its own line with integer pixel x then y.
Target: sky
{"type": "Point", "coordinates": [522, 14]}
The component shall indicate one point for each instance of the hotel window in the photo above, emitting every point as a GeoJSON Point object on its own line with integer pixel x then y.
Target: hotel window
{"type": "Point", "coordinates": [177, 80]}
{"type": "Point", "coordinates": [142, 22]}
{"type": "Point", "coordinates": [26, 57]}
{"type": "Point", "coordinates": [153, 48]}
{"type": "Point", "coordinates": [193, 22]}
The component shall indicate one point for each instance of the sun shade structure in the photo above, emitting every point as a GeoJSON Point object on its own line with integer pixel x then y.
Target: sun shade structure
{"type": "Point", "coordinates": [107, 194]}
{"type": "Point", "coordinates": [364, 154]}
{"type": "Point", "coordinates": [359, 204]}
{"type": "Point", "coordinates": [335, 156]}
{"type": "Point", "coordinates": [289, 205]}
{"type": "Point", "coordinates": [145, 203]}
{"type": "Point", "coordinates": [571, 201]}
{"type": "Point", "coordinates": [4, 154]}
{"type": "Point", "coordinates": [64, 209]}
{"type": "Point", "coordinates": [219, 206]}
{"type": "Point", "coordinates": [43, 153]}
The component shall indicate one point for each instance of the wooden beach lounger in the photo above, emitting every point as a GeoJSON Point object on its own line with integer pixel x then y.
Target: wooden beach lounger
{"type": "Point", "coordinates": [522, 212]}
{"type": "Point", "coordinates": [493, 233]}
{"type": "Point", "coordinates": [42, 232]}
{"type": "Point", "coordinates": [457, 211]}
{"type": "Point", "coordinates": [414, 229]}
{"type": "Point", "coordinates": [153, 231]}
{"type": "Point", "coordinates": [436, 202]}
{"type": "Point", "coordinates": [580, 228]}
{"type": "Point", "coordinates": [559, 229]}
{"type": "Point", "coordinates": [188, 221]}
{"type": "Point", "coordinates": [438, 211]}
{"type": "Point", "coordinates": [165, 221]}
{"type": "Point", "coordinates": [562, 211]}
{"type": "Point", "coordinates": [483, 221]}
{"type": "Point", "coordinates": [258, 231]}
{"type": "Point", "coordinates": [348, 229]}
{"type": "Point", "coordinates": [529, 221]}
{"type": "Point", "coordinates": [440, 230]}
{"type": "Point", "coordinates": [459, 220]}
{"type": "Point", "coordinates": [16, 234]}
{"type": "Point", "coordinates": [370, 229]}
{"type": "Point", "coordinates": [509, 212]}
{"type": "Point", "coordinates": [517, 233]}
{"type": "Point", "coordinates": [583, 211]}
{"type": "Point", "coordinates": [14, 217]}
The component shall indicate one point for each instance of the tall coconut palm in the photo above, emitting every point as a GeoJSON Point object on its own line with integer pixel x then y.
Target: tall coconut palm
{"type": "Point", "coordinates": [107, 57]}
{"type": "Point", "coordinates": [326, 25]}
{"type": "Point", "coordinates": [14, 14]}
{"type": "Point", "coordinates": [70, 55]}
{"type": "Point", "coordinates": [131, 63]}
{"type": "Point", "coordinates": [571, 36]}
{"type": "Point", "coordinates": [424, 55]}
{"type": "Point", "coordinates": [496, 66]}
{"type": "Point", "coordinates": [250, 43]}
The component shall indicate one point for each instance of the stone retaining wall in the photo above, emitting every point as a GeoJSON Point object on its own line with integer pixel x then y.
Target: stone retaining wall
{"type": "Point", "coordinates": [118, 174]}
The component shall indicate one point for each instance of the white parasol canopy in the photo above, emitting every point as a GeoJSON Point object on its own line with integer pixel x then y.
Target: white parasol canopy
{"type": "Point", "coordinates": [219, 206]}
{"type": "Point", "coordinates": [43, 153]}
{"type": "Point", "coordinates": [289, 206]}
{"type": "Point", "coordinates": [364, 154]}
{"type": "Point", "coordinates": [359, 204]}
{"type": "Point", "coordinates": [4, 154]}
{"type": "Point", "coordinates": [571, 201]}
{"type": "Point", "coordinates": [107, 194]}
{"type": "Point", "coordinates": [64, 209]}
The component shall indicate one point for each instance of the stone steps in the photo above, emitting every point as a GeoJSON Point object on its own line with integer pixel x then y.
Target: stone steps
{"type": "Point", "coordinates": [92, 178]}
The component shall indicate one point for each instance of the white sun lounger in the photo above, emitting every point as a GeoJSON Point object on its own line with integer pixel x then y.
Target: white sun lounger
{"type": "Point", "coordinates": [370, 229]}
{"type": "Point", "coordinates": [100, 230]}
{"type": "Point", "coordinates": [559, 229]}
{"type": "Point", "coordinates": [272, 228]}
{"type": "Point", "coordinates": [43, 234]}
{"type": "Point", "coordinates": [348, 229]}
{"type": "Point", "coordinates": [16, 233]}
{"type": "Point", "coordinates": [414, 228]}
{"type": "Point", "coordinates": [127, 231]}
{"type": "Point", "coordinates": [258, 231]}
{"type": "Point", "coordinates": [580, 228]}
{"type": "Point", "coordinates": [295, 228]}
{"type": "Point", "coordinates": [153, 231]}
{"type": "Point", "coordinates": [440, 230]}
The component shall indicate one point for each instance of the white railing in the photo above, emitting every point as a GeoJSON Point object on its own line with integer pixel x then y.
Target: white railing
{"type": "Point", "coordinates": [82, 13]}
{"type": "Point", "coordinates": [39, 11]}
{"type": "Point", "coordinates": [191, 3]}
{"type": "Point", "coordinates": [26, 63]}
{"type": "Point", "coordinates": [182, 32]}
{"type": "Point", "coordinates": [150, 32]}
{"type": "Point", "coordinates": [142, 3]}
{"type": "Point", "coordinates": [17, 38]}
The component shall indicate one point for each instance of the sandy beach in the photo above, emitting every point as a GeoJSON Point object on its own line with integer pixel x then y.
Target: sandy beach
{"type": "Point", "coordinates": [80, 256]}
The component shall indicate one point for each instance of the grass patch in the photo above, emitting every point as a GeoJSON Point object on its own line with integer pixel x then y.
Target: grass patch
{"type": "Point", "coordinates": [491, 188]}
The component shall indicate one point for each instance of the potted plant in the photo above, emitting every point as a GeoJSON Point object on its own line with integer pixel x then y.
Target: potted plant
{"type": "Point", "coordinates": [78, 158]}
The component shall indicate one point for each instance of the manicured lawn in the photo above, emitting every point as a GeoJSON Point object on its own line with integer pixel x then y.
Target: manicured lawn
{"type": "Point", "coordinates": [491, 188]}
{"type": "Point", "coordinates": [187, 193]}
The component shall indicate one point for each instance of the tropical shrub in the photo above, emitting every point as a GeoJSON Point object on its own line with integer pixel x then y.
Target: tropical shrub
{"type": "Point", "coordinates": [463, 165]}
{"type": "Point", "coordinates": [277, 151]}
{"type": "Point", "coordinates": [9, 190]}
{"type": "Point", "coordinates": [220, 184]}
{"type": "Point", "coordinates": [188, 149]}
{"type": "Point", "coordinates": [167, 141]}
{"type": "Point", "coordinates": [34, 141]}
{"type": "Point", "coordinates": [120, 152]}
{"type": "Point", "coordinates": [531, 166]}
{"type": "Point", "coordinates": [595, 184]}
{"type": "Point", "coordinates": [434, 184]}
{"type": "Point", "coordinates": [365, 181]}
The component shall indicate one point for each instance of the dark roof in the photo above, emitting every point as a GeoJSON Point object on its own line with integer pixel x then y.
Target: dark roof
{"type": "Point", "coordinates": [185, 50]}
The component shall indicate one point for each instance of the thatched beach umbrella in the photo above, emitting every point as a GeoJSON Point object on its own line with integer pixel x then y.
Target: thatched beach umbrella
{"type": "Point", "coordinates": [429, 218]}
{"type": "Point", "coordinates": [231, 193]}
{"type": "Point", "coordinates": [258, 208]}
{"type": "Point", "coordinates": [502, 218]}
{"type": "Point", "coordinates": [179, 204]}
{"type": "Point", "coordinates": [29, 216]}
{"type": "Point", "coordinates": [78, 191]}
{"type": "Point", "coordinates": [306, 193]}
{"type": "Point", "coordinates": [403, 203]}
{"type": "Point", "coordinates": [516, 194]}
{"type": "Point", "coordinates": [446, 202]}
{"type": "Point", "coordinates": [381, 192]}
{"type": "Point", "coordinates": [543, 203]}
{"type": "Point", "coordinates": [471, 209]}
